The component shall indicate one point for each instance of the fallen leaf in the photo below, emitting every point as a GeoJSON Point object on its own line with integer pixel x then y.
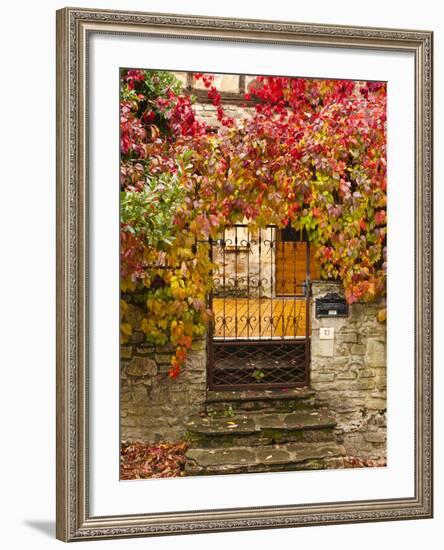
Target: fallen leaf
{"type": "Point", "coordinates": [140, 460]}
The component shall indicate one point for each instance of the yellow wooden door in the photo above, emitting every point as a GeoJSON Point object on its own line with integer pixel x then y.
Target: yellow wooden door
{"type": "Point", "coordinates": [291, 267]}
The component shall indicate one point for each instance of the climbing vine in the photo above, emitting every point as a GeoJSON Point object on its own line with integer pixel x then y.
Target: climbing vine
{"type": "Point", "coordinates": [309, 153]}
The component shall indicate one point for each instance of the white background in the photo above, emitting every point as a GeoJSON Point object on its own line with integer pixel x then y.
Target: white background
{"type": "Point", "coordinates": [108, 496]}
{"type": "Point", "coordinates": [28, 278]}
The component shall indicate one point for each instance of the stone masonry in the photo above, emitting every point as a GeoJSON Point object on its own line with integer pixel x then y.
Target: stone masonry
{"type": "Point", "coordinates": [348, 373]}
{"type": "Point", "coordinates": [153, 406]}
{"type": "Point", "coordinates": [244, 261]}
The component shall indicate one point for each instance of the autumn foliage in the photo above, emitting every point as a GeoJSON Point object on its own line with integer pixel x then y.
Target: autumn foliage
{"type": "Point", "coordinates": [139, 460]}
{"type": "Point", "coordinates": [309, 153]}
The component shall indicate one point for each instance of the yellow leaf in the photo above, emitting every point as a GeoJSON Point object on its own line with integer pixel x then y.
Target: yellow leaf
{"type": "Point", "coordinates": [382, 315]}
{"type": "Point", "coordinates": [126, 329]}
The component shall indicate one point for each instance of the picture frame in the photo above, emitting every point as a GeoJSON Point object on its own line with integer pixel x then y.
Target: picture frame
{"type": "Point", "coordinates": [75, 520]}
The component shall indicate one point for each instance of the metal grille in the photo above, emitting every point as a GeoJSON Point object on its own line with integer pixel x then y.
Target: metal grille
{"type": "Point", "coordinates": [260, 302]}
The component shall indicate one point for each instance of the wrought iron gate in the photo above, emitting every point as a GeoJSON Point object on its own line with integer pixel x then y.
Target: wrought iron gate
{"type": "Point", "coordinates": [260, 333]}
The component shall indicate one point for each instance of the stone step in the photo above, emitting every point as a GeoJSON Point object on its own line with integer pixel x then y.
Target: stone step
{"type": "Point", "coordinates": [260, 429]}
{"type": "Point", "coordinates": [270, 458]}
{"type": "Point", "coordinates": [291, 399]}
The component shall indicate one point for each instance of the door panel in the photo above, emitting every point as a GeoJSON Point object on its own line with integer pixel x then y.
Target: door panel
{"type": "Point", "coordinates": [290, 267]}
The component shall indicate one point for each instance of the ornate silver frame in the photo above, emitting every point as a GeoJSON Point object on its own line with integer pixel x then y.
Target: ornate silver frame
{"type": "Point", "coordinates": [73, 519]}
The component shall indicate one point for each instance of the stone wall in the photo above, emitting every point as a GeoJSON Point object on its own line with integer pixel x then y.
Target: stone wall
{"type": "Point", "coordinates": [348, 373]}
{"type": "Point", "coordinates": [153, 406]}
{"type": "Point", "coordinates": [240, 269]}
{"type": "Point", "coordinates": [232, 89]}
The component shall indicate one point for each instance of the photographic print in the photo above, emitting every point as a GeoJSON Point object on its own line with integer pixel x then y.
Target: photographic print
{"type": "Point", "coordinates": [253, 267]}
{"type": "Point", "coordinates": [244, 274]}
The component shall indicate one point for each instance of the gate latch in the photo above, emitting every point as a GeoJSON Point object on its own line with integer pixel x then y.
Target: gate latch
{"type": "Point", "coordinates": [306, 289]}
